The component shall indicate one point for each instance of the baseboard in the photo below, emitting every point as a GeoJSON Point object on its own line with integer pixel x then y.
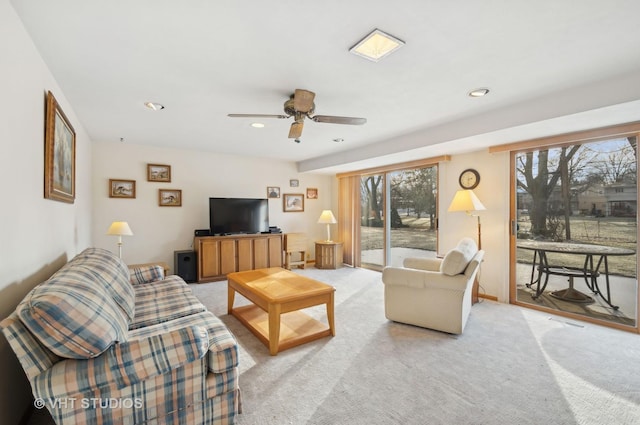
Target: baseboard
{"type": "Point", "coordinates": [488, 297]}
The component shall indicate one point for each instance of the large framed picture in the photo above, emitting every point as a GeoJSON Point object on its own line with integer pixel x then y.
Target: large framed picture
{"type": "Point", "coordinates": [122, 188]}
{"type": "Point", "coordinates": [158, 173]}
{"type": "Point", "coordinates": [59, 154]}
{"type": "Point", "coordinates": [170, 197]}
{"type": "Point", "coordinates": [293, 202]}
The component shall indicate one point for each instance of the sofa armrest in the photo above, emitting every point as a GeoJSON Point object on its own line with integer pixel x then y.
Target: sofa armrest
{"type": "Point", "coordinates": [145, 273]}
{"type": "Point", "coordinates": [432, 264]}
{"type": "Point", "coordinates": [125, 363]}
{"type": "Point", "coordinates": [423, 279]}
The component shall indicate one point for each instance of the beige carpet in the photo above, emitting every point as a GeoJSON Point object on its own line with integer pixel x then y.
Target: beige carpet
{"type": "Point", "coordinates": [511, 366]}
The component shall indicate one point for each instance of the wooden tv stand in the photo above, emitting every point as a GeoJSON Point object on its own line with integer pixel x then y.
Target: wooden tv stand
{"type": "Point", "coordinates": [219, 255]}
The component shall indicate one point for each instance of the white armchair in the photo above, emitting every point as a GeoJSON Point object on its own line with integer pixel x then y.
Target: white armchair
{"type": "Point", "coordinates": [433, 293]}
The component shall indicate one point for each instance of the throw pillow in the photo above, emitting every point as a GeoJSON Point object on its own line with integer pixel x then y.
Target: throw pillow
{"type": "Point", "coordinates": [456, 260]}
{"type": "Point", "coordinates": [453, 263]}
{"type": "Point", "coordinates": [72, 316]}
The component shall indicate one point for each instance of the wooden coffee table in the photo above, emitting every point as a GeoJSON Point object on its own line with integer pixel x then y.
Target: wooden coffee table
{"type": "Point", "coordinates": [277, 296]}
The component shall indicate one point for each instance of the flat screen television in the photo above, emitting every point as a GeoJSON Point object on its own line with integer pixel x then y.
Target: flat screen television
{"type": "Point", "coordinates": [238, 215]}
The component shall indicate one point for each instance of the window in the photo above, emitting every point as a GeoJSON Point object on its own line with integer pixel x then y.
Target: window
{"type": "Point", "coordinates": [575, 229]}
{"type": "Point", "coordinates": [397, 213]}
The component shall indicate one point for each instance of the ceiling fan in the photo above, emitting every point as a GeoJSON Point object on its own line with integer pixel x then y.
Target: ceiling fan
{"type": "Point", "coordinates": [300, 106]}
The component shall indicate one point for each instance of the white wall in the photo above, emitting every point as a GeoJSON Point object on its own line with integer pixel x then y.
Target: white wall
{"type": "Point", "coordinates": [159, 231]}
{"type": "Point", "coordinates": [493, 192]}
{"type": "Point", "coordinates": [37, 235]}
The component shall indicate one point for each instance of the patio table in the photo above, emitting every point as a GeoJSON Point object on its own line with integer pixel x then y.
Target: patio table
{"type": "Point", "coordinates": [590, 269]}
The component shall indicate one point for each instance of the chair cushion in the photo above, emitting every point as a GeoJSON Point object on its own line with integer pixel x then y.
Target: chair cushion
{"type": "Point", "coordinates": [456, 260]}
{"type": "Point", "coordinates": [72, 316]}
{"type": "Point", "coordinates": [164, 301]}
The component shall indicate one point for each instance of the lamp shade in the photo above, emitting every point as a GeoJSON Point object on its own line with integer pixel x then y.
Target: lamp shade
{"type": "Point", "coordinates": [327, 217]}
{"type": "Point", "coordinates": [120, 228]}
{"type": "Point", "coordinates": [465, 200]}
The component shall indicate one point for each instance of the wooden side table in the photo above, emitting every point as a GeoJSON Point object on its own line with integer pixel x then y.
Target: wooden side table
{"type": "Point", "coordinates": [328, 254]}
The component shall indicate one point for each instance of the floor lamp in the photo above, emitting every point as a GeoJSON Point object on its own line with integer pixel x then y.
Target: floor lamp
{"type": "Point", "coordinates": [119, 229]}
{"type": "Point", "coordinates": [467, 201]}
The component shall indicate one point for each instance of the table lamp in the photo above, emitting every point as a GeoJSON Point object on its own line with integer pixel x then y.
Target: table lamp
{"type": "Point", "coordinates": [467, 201]}
{"type": "Point", "coordinates": [327, 218]}
{"type": "Point", "coordinates": [119, 229]}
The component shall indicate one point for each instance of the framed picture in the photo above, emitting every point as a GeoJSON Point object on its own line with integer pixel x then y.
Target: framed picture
{"type": "Point", "coordinates": [170, 197]}
{"type": "Point", "coordinates": [294, 183]}
{"type": "Point", "coordinates": [158, 173]}
{"type": "Point", "coordinates": [59, 154]}
{"type": "Point", "coordinates": [312, 193]}
{"type": "Point", "coordinates": [122, 188]}
{"type": "Point", "coordinates": [273, 192]}
{"type": "Point", "coordinates": [293, 202]}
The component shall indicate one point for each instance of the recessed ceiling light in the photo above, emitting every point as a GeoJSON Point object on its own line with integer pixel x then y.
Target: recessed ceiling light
{"type": "Point", "coordinates": [376, 45]}
{"type": "Point", "coordinates": [478, 92]}
{"type": "Point", "coordinates": [257, 125]}
{"type": "Point", "coordinates": [154, 106]}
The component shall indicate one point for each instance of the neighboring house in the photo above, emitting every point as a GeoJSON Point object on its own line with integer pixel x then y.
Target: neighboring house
{"type": "Point", "coordinates": [622, 199]}
{"type": "Point", "coordinates": [613, 200]}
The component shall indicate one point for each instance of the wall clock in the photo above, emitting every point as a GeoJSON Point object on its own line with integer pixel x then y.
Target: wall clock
{"type": "Point", "coordinates": [469, 179]}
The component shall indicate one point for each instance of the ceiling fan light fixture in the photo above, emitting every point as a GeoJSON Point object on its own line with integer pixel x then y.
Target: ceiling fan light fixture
{"type": "Point", "coordinates": [479, 92]}
{"type": "Point", "coordinates": [154, 106]}
{"type": "Point", "coordinates": [376, 45]}
{"type": "Point", "coordinates": [300, 106]}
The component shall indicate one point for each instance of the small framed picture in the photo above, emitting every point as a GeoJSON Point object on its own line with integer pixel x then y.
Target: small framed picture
{"type": "Point", "coordinates": [158, 173]}
{"type": "Point", "coordinates": [170, 197]}
{"type": "Point", "coordinates": [122, 188]}
{"type": "Point", "coordinates": [293, 202]}
{"type": "Point", "coordinates": [312, 193]}
{"type": "Point", "coordinates": [273, 192]}
{"type": "Point", "coordinates": [294, 182]}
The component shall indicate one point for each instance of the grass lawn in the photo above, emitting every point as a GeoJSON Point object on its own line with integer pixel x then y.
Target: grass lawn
{"type": "Point", "coordinates": [416, 234]}
{"type": "Point", "coordinates": [611, 231]}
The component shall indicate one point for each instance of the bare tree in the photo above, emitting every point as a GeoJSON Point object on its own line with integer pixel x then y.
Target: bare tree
{"type": "Point", "coordinates": [422, 191]}
{"type": "Point", "coordinates": [618, 165]}
{"type": "Point", "coordinates": [539, 181]}
{"type": "Point", "coordinates": [371, 198]}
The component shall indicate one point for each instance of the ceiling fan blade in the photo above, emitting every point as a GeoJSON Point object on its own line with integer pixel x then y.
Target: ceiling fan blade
{"type": "Point", "coordinates": [296, 130]}
{"type": "Point", "coordinates": [339, 120]}
{"type": "Point", "coordinates": [257, 116]}
{"type": "Point", "coordinates": [303, 100]}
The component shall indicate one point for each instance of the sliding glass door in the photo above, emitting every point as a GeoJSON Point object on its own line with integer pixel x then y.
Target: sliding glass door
{"type": "Point", "coordinates": [399, 216]}
{"type": "Point", "coordinates": [372, 224]}
{"type": "Point", "coordinates": [576, 230]}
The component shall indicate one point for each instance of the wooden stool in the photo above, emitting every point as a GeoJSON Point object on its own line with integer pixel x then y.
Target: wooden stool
{"type": "Point", "coordinates": [295, 243]}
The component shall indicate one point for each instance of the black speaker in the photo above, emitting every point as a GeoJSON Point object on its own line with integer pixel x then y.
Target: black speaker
{"type": "Point", "coordinates": [186, 265]}
{"type": "Point", "coordinates": [202, 232]}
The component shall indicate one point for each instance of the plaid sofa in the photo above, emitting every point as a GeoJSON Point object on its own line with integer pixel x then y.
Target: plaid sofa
{"type": "Point", "coordinates": [101, 344]}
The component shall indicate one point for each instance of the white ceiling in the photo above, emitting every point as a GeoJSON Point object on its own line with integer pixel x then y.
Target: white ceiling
{"type": "Point", "coordinates": [552, 66]}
